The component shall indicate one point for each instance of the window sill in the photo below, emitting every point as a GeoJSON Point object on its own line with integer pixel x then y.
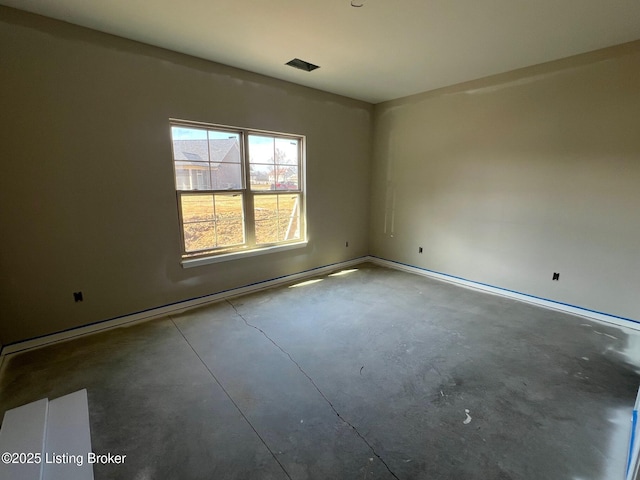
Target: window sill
{"type": "Point", "coordinates": [196, 262]}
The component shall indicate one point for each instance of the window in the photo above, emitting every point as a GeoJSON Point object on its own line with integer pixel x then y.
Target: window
{"type": "Point", "coordinates": [237, 190]}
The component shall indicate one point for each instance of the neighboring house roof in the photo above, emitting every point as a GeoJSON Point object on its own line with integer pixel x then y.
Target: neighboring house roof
{"type": "Point", "coordinates": [195, 151]}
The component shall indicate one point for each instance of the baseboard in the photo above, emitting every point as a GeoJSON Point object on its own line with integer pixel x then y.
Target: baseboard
{"type": "Point", "coordinates": [523, 297]}
{"type": "Point", "coordinates": [178, 307]}
{"type": "Point", "coordinates": [633, 461]}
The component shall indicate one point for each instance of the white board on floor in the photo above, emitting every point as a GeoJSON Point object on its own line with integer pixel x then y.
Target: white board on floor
{"type": "Point", "coordinates": [23, 433]}
{"type": "Point", "coordinates": [68, 439]}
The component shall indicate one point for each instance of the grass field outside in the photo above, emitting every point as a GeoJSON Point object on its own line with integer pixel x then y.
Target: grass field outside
{"type": "Point", "coordinates": [212, 221]}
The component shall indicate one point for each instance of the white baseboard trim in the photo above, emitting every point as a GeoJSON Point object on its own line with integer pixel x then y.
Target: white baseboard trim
{"type": "Point", "coordinates": [523, 297]}
{"type": "Point", "coordinates": [633, 461]}
{"type": "Point", "coordinates": [216, 297]}
{"type": "Point", "coordinates": [171, 309]}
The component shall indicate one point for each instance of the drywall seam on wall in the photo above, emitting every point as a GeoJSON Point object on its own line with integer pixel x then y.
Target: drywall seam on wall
{"type": "Point", "coordinates": [140, 317]}
{"type": "Point", "coordinates": [523, 297]}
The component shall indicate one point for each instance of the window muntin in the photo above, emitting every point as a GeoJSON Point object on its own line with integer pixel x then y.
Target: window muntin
{"type": "Point", "coordinates": [237, 189]}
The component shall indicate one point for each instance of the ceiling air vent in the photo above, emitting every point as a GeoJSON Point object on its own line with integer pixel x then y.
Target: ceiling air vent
{"type": "Point", "coordinates": [302, 65]}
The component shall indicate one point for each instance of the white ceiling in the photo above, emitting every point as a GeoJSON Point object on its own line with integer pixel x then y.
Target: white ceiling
{"type": "Point", "coordinates": [383, 50]}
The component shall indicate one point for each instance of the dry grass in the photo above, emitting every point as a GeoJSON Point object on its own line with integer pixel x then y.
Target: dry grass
{"type": "Point", "coordinates": [212, 221]}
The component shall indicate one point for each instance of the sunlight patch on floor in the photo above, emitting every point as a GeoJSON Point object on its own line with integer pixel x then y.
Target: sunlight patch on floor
{"type": "Point", "coordinates": [308, 282]}
{"type": "Point", "coordinates": [343, 272]}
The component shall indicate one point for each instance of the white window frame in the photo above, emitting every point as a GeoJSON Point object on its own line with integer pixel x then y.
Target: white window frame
{"type": "Point", "coordinates": [249, 247]}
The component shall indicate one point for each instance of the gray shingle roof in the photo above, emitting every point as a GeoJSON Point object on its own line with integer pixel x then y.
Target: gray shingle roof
{"type": "Point", "coordinates": [221, 150]}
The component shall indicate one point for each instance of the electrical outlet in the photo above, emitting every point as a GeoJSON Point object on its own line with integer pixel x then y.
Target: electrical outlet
{"type": "Point", "coordinates": [346, 244]}
{"type": "Point", "coordinates": [556, 276]}
{"type": "Point", "coordinates": [419, 249]}
{"type": "Point", "coordinates": [77, 296]}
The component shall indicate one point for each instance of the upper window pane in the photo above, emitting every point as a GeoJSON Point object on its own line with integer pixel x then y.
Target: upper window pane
{"type": "Point", "coordinates": [259, 174]}
{"type": "Point", "coordinates": [286, 151]}
{"type": "Point", "coordinates": [189, 144]}
{"type": "Point", "coordinates": [224, 147]}
{"type": "Point", "coordinates": [193, 176]}
{"type": "Point", "coordinates": [261, 149]}
{"type": "Point", "coordinates": [274, 163]}
{"type": "Point", "coordinates": [287, 178]}
{"type": "Point", "coordinates": [206, 159]}
{"type": "Point", "coordinates": [226, 176]}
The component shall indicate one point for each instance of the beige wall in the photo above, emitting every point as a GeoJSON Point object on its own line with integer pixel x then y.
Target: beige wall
{"type": "Point", "coordinates": [509, 179]}
{"type": "Point", "coordinates": [502, 181]}
{"type": "Point", "coordinates": [87, 197]}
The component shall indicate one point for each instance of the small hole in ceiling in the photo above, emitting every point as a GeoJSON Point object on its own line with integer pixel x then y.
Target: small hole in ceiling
{"type": "Point", "coordinates": [302, 65]}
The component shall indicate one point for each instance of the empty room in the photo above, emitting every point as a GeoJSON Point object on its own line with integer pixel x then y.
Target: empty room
{"type": "Point", "coordinates": [364, 239]}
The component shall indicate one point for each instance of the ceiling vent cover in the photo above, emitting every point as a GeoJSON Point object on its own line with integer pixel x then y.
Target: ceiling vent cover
{"type": "Point", "coordinates": [302, 65]}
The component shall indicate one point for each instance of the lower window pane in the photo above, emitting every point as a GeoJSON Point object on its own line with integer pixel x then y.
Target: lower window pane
{"type": "Point", "coordinates": [277, 218]}
{"type": "Point", "coordinates": [266, 215]}
{"type": "Point", "coordinates": [289, 217]}
{"type": "Point", "coordinates": [266, 232]}
{"type": "Point", "coordinates": [197, 208]}
{"type": "Point", "coordinates": [212, 221]}
{"type": "Point", "coordinates": [199, 236]}
{"type": "Point", "coordinates": [229, 219]}
{"type": "Point", "coordinates": [230, 232]}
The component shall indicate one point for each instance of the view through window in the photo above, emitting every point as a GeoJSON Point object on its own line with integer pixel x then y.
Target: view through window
{"type": "Point", "coordinates": [237, 189]}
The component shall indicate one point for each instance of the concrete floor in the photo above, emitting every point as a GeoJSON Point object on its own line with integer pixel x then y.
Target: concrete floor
{"type": "Point", "coordinates": [367, 375]}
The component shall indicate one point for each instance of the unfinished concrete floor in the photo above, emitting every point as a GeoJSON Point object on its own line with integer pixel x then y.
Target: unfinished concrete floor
{"type": "Point", "coordinates": [367, 375]}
